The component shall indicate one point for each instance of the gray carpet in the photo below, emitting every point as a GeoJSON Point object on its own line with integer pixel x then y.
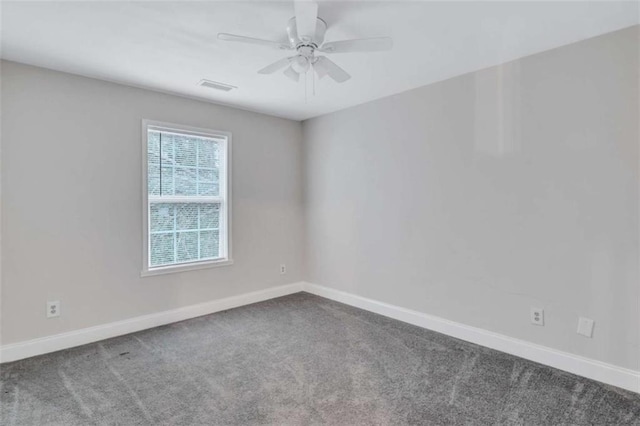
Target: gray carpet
{"type": "Point", "coordinates": [297, 360]}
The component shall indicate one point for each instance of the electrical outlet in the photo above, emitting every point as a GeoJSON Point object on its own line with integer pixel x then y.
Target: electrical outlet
{"type": "Point", "coordinates": [53, 309]}
{"type": "Point", "coordinates": [283, 269]}
{"type": "Point", "coordinates": [537, 316]}
{"type": "Point", "coordinates": [585, 327]}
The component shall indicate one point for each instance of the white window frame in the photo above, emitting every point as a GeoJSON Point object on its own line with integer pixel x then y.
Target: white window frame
{"type": "Point", "coordinates": [224, 198]}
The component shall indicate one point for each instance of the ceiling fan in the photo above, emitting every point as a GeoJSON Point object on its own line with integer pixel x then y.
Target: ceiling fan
{"type": "Point", "coordinates": [306, 36]}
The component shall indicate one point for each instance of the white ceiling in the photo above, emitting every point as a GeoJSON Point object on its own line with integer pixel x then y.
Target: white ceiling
{"type": "Point", "coordinates": [170, 46]}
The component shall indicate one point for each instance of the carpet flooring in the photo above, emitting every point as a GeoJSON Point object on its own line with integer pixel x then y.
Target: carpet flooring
{"type": "Point", "coordinates": [299, 360]}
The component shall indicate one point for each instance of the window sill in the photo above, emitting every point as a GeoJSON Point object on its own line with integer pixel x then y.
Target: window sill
{"type": "Point", "coordinates": [186, 267]}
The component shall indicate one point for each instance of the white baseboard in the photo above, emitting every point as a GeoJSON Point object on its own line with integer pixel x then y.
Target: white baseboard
{"type": "Point", "coordinates": [589, 368]}
{"type": "Point", "coordinates": [29, 348]}
{"type": "Point", "coordinates": [585, 367]}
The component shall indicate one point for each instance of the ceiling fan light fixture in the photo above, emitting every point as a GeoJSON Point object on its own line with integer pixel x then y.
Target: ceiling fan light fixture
{"type": "Point", "coordinates": [300, 64]}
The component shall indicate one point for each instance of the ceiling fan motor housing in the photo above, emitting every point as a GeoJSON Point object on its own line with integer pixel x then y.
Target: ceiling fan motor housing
{"type": "Point", "coordinates": [312, 41]}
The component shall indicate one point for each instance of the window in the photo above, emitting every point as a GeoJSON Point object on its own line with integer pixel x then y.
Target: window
{"type": "Point", "coordinates": [186, 200]}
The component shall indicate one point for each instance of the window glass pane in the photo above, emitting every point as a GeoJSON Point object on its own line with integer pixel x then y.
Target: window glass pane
{"type": "Point", "coordinates": [184, 166]}
{"type": "Point", "coordinates": [161, 250]}
{"type": "Point", "coordinates": [175, 230]}
{"type": "Point", "coordinates": [208, 154]}
{"type": "Point", "coordinates": [186, 216]}
{"type": "Point", "coordinates": [207, 175]}
{"type": "Point", "coordinates": [185, 181]}
{"type": "Point", "coordinates": [153, 158]}
{"type": "Point", "coordinates": [209, 244]}
{"type": "Point", "coordinates": [185, 162]}
{"type": "Point", "coordinates": [167, 157]}
{"type": "Point", "coordinates": [153, 179]}
{"type": "Point", "coordinates": [166, 181]}
{"type": "Point", "coordinates": [161, 217]}
{"type": "Point", "coordinates": [186, 246]}
{"type": "Point", "coordinates": [153, 147]}
{"type": "Point", "coordinates": [186, 150]}
{"type": "Point", "coordinates": [208, 188]}
{"type": "Point", "coordinates": [209, 216]}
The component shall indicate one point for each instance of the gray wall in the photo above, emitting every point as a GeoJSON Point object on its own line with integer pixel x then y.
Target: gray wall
{"type": "Point", "coordinates": [472, 199]}
{"type": "Point", "coordinates": [475, 198]}
{"type": "Point", "coordinates": [71, 202]}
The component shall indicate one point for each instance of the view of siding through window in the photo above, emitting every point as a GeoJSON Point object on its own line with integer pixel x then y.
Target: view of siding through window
{"type": "Point", "coordinates": [183, 176]}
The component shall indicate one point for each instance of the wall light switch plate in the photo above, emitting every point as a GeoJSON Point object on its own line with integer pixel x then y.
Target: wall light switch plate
{"type": "Point", "coordinates": [537, 316]}
{"type": "Point", "coordinates": [585, 327]}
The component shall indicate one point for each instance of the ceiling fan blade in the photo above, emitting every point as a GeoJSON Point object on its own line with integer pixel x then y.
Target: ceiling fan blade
{"type": "Point", "coordinates": [376, 44]}
{"type": "Point", "coordinates": [325, 66]}
{"type": "Point", "coordinates": [306, 17]}
{"type": "Point", "coordinates": [292, 74]}
{"type": "Point", "coordinates": [251, 40]}
{"type": "Point", "coordinates": [278, 65]}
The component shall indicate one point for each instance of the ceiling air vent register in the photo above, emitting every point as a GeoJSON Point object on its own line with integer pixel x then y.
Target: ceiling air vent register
{"type": "Point", "coordinates": [216, 85]}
